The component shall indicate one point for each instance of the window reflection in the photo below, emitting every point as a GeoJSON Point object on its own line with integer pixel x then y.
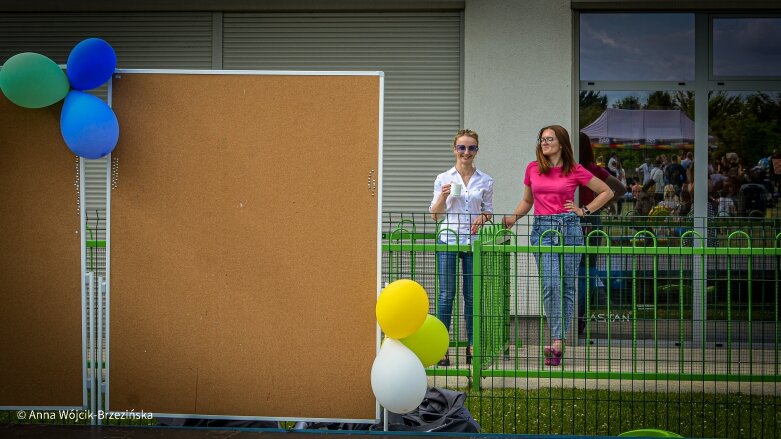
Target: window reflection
{"type": "Point", "coordinates": [744, 171]}
{"type": "Point", "coordinates": [747, 47]}
{"type": "Point", "coordinates": [636, 47]}
{"type": "Point", "coordinates": [643, 131]}
{"type": "Point", "coordinates": [646, 140]}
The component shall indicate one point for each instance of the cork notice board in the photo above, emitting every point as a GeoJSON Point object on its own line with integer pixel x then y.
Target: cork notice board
{"type": "Point", "coordinates": [243, 244]}
{"type": "Point", "coordinates": [40, 281]}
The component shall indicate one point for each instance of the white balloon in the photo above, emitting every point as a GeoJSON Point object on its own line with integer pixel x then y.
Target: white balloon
{"type": "Point", "coordinates": [398, 378]}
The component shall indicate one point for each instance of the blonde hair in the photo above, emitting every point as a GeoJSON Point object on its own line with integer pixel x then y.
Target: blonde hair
{"type": "Point", "coordinates": [465, 132]}
{"type": "Point", "coordinates": [669, 192]}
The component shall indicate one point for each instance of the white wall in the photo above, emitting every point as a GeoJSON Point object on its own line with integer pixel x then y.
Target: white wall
{"type": "Point", "coordinates": [517, 79]}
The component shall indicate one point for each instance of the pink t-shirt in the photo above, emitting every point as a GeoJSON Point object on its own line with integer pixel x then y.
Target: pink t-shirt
{"type": "Point", "coordinates": [551, 190]}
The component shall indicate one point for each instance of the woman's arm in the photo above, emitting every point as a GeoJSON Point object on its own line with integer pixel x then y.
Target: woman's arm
{"type": "Point", "coordinates": [616, 186]}
{"type": "Point", "coordinates": [439, 205]}
{"type": "Point", "coordinates": [522, 209]}
{"type": "Point", "coordinates": [604, 194]}
{"type": "Point", "coordinates": [487, 207]}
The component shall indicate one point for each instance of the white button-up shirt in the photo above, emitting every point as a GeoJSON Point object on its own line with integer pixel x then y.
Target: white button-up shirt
{"type": "Point", "coordinates": [475, 199]}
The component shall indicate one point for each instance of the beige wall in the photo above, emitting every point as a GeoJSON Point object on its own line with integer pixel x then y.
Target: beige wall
{"type": "Point", "coordinates": [517, 78]}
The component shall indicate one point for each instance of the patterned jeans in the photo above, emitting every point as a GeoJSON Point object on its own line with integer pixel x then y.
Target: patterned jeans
{"type": "Point", "coordinates": [558, 271]}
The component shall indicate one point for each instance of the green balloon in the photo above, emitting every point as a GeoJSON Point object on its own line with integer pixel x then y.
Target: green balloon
{"type": "Point", "coordinates": [649, 432]}
{"type": "Point", "coordinates": [32, 80]}
{"type": "Point", "coordinates": [430, 342]}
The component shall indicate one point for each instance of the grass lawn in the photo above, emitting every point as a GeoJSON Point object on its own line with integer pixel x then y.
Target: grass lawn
{"type": "Point", "coordinates": [597, 413]}
{"type": "Point", "coordinates": [609, 413]}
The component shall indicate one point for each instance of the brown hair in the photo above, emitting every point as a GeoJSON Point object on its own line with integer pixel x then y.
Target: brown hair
{"type": "Point", "coordinates": [567, 156]}
{"type": "Point", "coordinates": [584, 148]}
{"type": "Point", "coordinates": [465, 132]}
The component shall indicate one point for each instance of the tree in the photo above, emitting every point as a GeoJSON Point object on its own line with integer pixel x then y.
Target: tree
{"type": "Point", "coordinates": [684, 101]}
{"type": "Point", "coordinates": [592, 105]}
{"type": "Point", "coordinates": [628, 103]}
{"type": "Point", "coordinates": [659, 100]}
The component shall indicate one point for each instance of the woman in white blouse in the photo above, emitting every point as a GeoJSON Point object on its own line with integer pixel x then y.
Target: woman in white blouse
{"type": "Point", "coordinates": [463, 198]}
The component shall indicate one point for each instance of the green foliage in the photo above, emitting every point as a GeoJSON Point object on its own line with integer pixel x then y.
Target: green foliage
{"type": "Point", "coordinates": [629, 103]}
{"type": "Point", "coordinates": [592, 104]}
{"type": "Point", "coordinates": [747, 124]}
{"type": "Point", "coordinates": [659, 100]}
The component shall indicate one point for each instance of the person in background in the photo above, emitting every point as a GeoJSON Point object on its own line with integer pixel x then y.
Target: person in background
{"type": "Point", "coordinates": [590, 223]}
{"type": "Point", "coordinates": [635, 188]}
{"type": "Point", "coordinates": [775, 162]}
{"type": "Point", "coordinates": [549, 186]}
{"type": "Point", "coordinates": [618, 206]}
{"type": "Point", "coordinates": [670, 201]}
{"type": "Point", "coordinates": [710, 206]}
{"type": "Point", "coordinates": [685, 206]}
{"type": "Point", "coordinates": [657, 175]}
{"type": "Point", "coordinates": [674, 174]}
{"type": "Point", "coordinates": [726, 200]}
{"type": "Point", "coordinates": [612, 165]}
{"type": "Point", "coordinates": [645, 170]}
{"type": "Point", "coordinates": [687, 159]}
{"type": "Point", "coordinates": [645, 199]}
{"type": "Point", "coordinates": [463, 198]}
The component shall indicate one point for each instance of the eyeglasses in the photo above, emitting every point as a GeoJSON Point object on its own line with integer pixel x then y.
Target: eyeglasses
{"type": "Point", "coordinates": [546, 139]}
{"type": "Point", "coordinates": [463, 148]}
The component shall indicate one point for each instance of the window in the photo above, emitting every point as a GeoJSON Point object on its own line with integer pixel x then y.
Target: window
{"type": "Point", "coordinates": [637, 47]}
{"type": "Point", "coordinates": [747, 47]}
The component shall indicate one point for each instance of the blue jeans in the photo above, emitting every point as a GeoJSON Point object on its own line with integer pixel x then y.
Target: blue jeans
{"type": "Point", "coordinates": [448, 281]}
{"type": "Point", "coordinates": [558, 271]}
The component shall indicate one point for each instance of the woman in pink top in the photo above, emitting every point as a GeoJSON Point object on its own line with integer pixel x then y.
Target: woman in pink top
{"type": "Point", "coordinates": [549, 186]}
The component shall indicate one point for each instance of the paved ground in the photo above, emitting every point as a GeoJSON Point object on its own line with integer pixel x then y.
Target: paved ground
{"type": "Point", "coordinates": [704, 365]}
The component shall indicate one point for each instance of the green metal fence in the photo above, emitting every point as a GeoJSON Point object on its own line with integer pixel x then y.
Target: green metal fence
{"type": "Point", "coordinates": [690, 323]}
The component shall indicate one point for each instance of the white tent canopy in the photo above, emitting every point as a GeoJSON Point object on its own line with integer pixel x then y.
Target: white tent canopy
{"type": "Point", "coordinates": [641, 129]}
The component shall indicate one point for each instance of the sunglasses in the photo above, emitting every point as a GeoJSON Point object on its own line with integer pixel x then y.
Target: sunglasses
{"type": "Point", "coordinates": [464, 148]}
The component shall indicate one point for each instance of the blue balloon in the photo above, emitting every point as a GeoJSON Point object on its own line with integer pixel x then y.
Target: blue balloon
{"type": "Point", "coordinates": [88, 125]}
{"type": "Point", "coordinates": [90, 64]}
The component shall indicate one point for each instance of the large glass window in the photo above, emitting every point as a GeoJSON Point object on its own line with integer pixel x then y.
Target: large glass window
{"type": "Point", "coordinates": [747, 47]}
{"type": "Point", "coordinates": [637, 47]}
{"type": "Point", "coordinates": [635, 51]}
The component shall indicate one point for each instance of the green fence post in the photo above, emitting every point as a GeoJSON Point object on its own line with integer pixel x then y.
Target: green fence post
{"type": "Point", "coordinates": [400, 231]}
{"type": "Point", "coordinates": [587, 251]}
{"type": "Point", "coordinates": [775, 302]}
{"type": "Point", "coordinates": [477, 293]}
{"type": "Point", "coordinates": [635, 240]}
{"type": "Point", "coordinates": [748, 267]}
{"type": "Point", "coordinates": [412, 253]}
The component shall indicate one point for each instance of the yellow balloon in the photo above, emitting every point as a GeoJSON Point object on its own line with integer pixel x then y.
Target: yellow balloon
{"type": "Point", "coordinates": [430, 342]}
{"type": "Point", "coordinates": [401, 308]}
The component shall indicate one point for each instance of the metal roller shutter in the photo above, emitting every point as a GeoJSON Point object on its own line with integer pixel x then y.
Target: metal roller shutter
{"type": "Point", "coordinates": [141, 40]}
{"type": "Point", "coordinates": [421, 55]}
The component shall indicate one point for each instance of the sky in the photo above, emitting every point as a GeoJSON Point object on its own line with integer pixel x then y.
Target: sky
{"type": "Point", "coordinates": [660, 47]}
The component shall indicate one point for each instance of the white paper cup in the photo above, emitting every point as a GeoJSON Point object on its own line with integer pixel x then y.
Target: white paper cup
{"type": "Point", "coordinates": [455, 189]}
